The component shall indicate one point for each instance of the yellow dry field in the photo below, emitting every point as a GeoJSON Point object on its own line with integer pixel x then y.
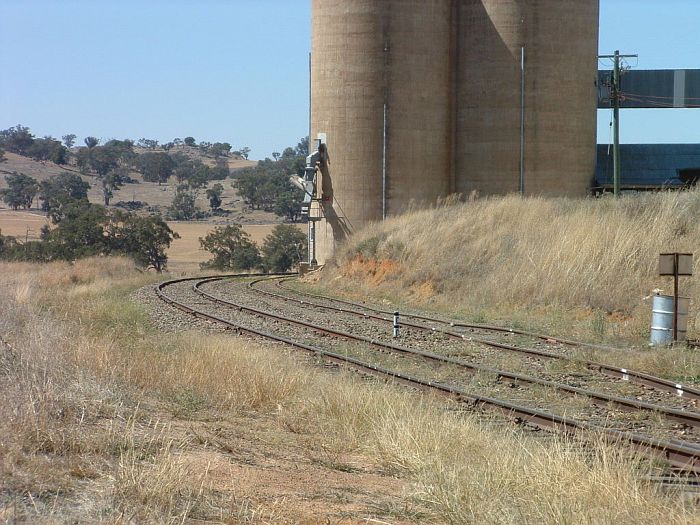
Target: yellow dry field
{"type": "Point", "coordinates": [22, 224]}
{"type": "Point", "coordinates": [184, 255]}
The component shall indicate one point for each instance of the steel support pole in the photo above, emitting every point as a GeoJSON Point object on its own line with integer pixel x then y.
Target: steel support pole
{"type": "Point", "coordinates": [616, 124]}
{"type": "Point", "coordinates": [312, 243]}
{"type": "Point", "coordinates": [675, 297]}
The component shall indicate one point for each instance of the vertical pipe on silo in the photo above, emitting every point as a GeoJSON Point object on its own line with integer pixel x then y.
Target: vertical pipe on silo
{"type": "Point", "coordinates": [561, 38]}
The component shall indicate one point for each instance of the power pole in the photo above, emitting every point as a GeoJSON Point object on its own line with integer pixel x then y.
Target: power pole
{"type": "Point", "coordinates": [615, 98]}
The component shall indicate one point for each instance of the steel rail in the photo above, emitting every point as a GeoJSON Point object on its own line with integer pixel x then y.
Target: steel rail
{"type": "Point", "coordinates": [657, 383]}
{"type": "Point", "coordinates": [455, 324]}
{"type": "Point", "coordinates": [683, 416]}
{"type": "Point", "coordinates": [683, 456]}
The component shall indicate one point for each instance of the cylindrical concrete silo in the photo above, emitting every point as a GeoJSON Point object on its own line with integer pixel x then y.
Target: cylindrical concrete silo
{"type": "Point", "coordinates": [560, 38]}
{"type": "Point", "coordinates": [380, 81]}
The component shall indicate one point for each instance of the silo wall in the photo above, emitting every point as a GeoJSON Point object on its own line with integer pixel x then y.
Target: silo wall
{"type": "Point", "coordinates": [381, 75]}
{"type": "Point", "coordinates": [560, 38]}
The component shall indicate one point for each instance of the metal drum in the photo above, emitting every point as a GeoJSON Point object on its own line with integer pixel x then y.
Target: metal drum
{"type": "Point", "coordinates": [662, 319]}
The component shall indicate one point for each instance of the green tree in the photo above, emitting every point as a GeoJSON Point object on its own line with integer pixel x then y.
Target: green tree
{"type": "Point", "coordinates": [69, 140]}
{"type": "Point", "coordinates": [20, 192]}
{"type": "Point", "coordinates": [284, 248]}
{"type": "Point", "coordinates": [100, 159]}
{"type": "Point", "coordinates": [189, 141]}
{"type": "Point", "coordinates": [57, 191]}
{"type": "Point", "coordinates": [48, 149]}
{"type": "Point", "coordinates": [144, 239]}
{"type": "Point", "coordinates": [156, 167]}
{"type": "Point", "coordinates": [302, 149]}
{"type": "Point", "coordinates": [219, 149]}
{"type": "Point", "coordinates": [220, 171]}
{"type": "Point", "coordinates": [17, 139]}
{"type": "Point", "coordinates": [148, 143]}
{"type": "Point", "coordinates": [244, 151]}
{"type": "Point", "coordinates": [232, 249]}
{"type": "Point", "coordinates": [91, 142]}
{"type": "Point", "coordinates": [123, 150]}
{"type": "Point", "coordinates": [288, 204]}
{"type": "Point", "coordinates": [87, 229]}
{"type": "Point", "coordinates": [2, 155]}
{"type": "Point", "coordinates": [104, 161]}
{"type": "Point", "coordinates": [267, 185]}
{"type": "Point", "coordinates": [80, 233]}
{"type": "Point", "coordinates": [183, 207]}
{"type": "Point", "coordinates": [111, 182]}
{"type": "Point", "coordinates": [214, 195]}
{"type": "Point", "coordinates": [184, 168]}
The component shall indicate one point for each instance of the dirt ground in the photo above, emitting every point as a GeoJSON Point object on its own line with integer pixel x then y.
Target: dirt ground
{"type": "Point", "coordinates": [276, 478]}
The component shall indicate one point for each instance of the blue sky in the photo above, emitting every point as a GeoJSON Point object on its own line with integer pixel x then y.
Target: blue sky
{"type": "Point", "coordinates": [236, 70]}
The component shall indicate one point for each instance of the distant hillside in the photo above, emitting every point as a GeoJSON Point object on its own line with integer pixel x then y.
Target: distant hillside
{"type": "Point", "coordinates": [155, 195]}
{"type": "Point", "coordinates": [232, 160]}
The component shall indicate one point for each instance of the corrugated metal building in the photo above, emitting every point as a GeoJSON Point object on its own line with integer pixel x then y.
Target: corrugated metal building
{"type": "Point", "coordinates": [649, 166]}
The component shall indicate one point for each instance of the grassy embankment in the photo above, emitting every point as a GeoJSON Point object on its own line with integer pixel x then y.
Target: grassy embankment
{"type": "Point", "coordinates": [104, 418]}
{"type": "Point", "coordinates": [580, 268]}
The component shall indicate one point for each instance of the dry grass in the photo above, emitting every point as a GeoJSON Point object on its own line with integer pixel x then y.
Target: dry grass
{"type": "Point", "coordinates": [99, 407]}
{"type": "Point", "coordinates": [471, 473]}
{"type": "Point", "coordinates": [583, 262]}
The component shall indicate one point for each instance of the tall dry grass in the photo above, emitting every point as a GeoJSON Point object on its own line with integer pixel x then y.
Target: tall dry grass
{"type": "Point", "coordinates": [495, 256]}
{"type": "Point", "coordinates": [83, 436]}
{"type": "Point", "coordinates": [95, 399]}
{"type": "Point", "coordinates": [469, 472]}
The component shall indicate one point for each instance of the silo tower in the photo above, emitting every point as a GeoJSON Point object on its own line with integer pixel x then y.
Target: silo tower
{"type": "Point", "coordinates": [559, 40]}
{"type": "Point", "coordinates": [380, 91]}
{"type": "Point", "coordinates": [418, 99]}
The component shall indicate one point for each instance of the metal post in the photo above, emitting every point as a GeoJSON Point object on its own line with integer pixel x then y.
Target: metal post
{"type": "Point", "coordinates": [675, 297]}
{"type": "Point", "coordinates": [616, 127]}
{"type": "Point", "coordinates": [522, 121]}
{"type": "Point", "coordinates": [312, 243]}
{"type": "Point", "coordinates": [396, 324]}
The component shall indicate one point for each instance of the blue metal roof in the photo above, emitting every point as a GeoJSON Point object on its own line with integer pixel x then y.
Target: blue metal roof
{"type": "Point", "coordinates": [647, 164]}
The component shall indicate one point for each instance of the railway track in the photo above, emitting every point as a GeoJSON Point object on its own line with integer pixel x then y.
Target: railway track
{"type": "Point", "coordinates": [681, 455]}
{"type": "Point", "coordinates": [686, 417]}
{"type": "Point", "coordinates": [625, 374]}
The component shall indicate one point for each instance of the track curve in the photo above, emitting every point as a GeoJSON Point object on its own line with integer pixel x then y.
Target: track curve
{"type": "Point", "coordinates": [681, 455]}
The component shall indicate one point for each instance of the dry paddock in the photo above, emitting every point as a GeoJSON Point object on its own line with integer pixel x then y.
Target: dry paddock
{"type": "Point", "coordinates": [184, 255]}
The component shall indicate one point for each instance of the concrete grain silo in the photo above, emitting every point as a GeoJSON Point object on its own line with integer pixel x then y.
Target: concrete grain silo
{"type": "Point", "coordinates": [380, 91]}
{"type": "Point", "coordinates": [422, 98]}
{"type": "Point", "coordinates": [560, 41]}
